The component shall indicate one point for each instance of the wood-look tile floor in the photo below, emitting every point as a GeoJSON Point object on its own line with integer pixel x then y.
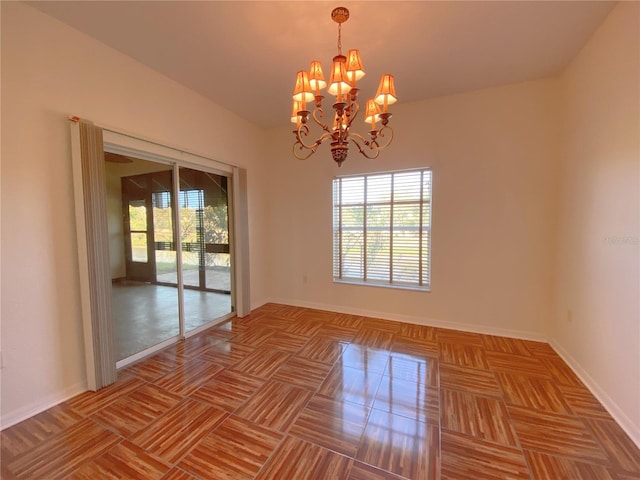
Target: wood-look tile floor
{"type": "Point", "coordinates": [292, 394]}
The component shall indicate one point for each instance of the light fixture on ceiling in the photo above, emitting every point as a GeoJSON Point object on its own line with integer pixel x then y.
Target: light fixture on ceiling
{"type": "Point", "coordinates": [345, 73]}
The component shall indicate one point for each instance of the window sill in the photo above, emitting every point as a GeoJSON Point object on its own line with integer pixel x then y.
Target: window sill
{"type": "Point", "coordinates": [384, 285]}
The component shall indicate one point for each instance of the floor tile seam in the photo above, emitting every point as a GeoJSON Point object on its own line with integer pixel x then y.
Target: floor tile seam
{"type": "Point", "coordinates": [198, 354]}
{"type": "Point", "coordinates": [555, 387]}
{"type": "Point", "coordinates": [228, 368]}
{"type": "Point", "coordinates": [428, 345]}
{"type": "Point", "coordinates": [232, 412]}
{"type": "Point", "coordinates": [7, 457]}
{"type": "Point", "coordinates": [332, 364]}
{"type": "Point", "coordinates": [235, 410]}
{"type": "Point", "coordinates": [290, 352]}
{"type": "Point", "coordinates": [360, 444]}
{"type": "Point", "coordinates": [194, 365]}
{"type": "Point", "coordinates": [114, 430]}
{"type": "Point", "coordinates": [151, 454]}
{"type": "Point", "coordinates": [91, 459]}
{"type": "Point", "coordinates": [426, 421]}
{"type": "Point", "coordinates": [576, 458]}
{"type": "Point", "coordinates": [95, 458]}
{"type": "Point", "coordinates": [186, 472]}
{"type": "Point", "coordinates": [314, 392]}
{"type": "Point", "coordinates": [499, 397]}
{"type": "Point", "coordinates": [570, 415]}
{"type": "Point", "coordinates": [403, 380]}
{"type": "Point", "coordinates": [275, 449]}
{"type": "Point", "coordinates": [150, 380]}
{"type": "Point", "coordinates": [567, 413]}
{"type": "Point", "coordinates": [166, 413]}
{"type": "Point", "coordinates": [613, 461]}
{"type": "Point", "coordinates": [517, 448]}
{"type": "Point", "coordinates": [324, 447]}
{"type": "Point", "coordinates": [603, 415]}
{"type": "Point", "coordinates": [295, 419]}
{"type": "Point", "coordinates": [191, 388]}
{"type": "Point", "coordinates": [289, 355]}
{"type": "Point", "coordinates": [442, 360]}
{"type": "Point", "coordinates": [209, 344]}
{"type": "Point", "coordinates": [508, 413]}
{"type": "Point", "coordinates": [375, 395]}
{"type": "Point", "coordinates": [328, 337]}
{"type": "Point", "coordinates": [585, 461]}
{"type": "Point", "coordinates": [527, 462]}
{"type": "Point", "coordinates": [526, 355]}
{"type": "Point", "coordinates": [505, 395]}
{"type": "Point", "coordinates": [53, 437]}
{"type": "Point", "coordinates": [197, 444]}
{"type": "Point", "coordinates": [514, 431]}
{"type": "Point", "coordinates": [395, 475]}
{"type": "Point", "coordinates": [400, 336]}
{"type": "Point", "coordinates": [112, 401]}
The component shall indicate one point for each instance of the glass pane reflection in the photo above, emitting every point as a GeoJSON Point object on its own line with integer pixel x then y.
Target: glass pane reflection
{"type": "Point", "coordinates": [206, 264]}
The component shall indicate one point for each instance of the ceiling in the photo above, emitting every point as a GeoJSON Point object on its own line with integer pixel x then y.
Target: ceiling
{"type": "Point", "coordinates": [244, 55]}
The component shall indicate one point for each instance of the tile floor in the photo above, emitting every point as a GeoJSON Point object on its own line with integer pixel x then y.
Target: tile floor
{"type": "Point", "coordinates": [292, 393]}
{"type": "Point", "coordinates": [145, 315]}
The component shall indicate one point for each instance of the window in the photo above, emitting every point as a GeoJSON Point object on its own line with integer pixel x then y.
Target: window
{"type": "Point", "coordinates": [382, 229]}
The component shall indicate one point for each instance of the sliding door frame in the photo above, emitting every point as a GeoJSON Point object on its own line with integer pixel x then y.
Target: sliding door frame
{"type": "Point", "coordinates": [130, 145]}
{"type": "Point", "coordinates": [122, 144]}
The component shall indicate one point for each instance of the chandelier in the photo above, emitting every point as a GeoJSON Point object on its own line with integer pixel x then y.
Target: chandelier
{"type": "Point", "coordinates": [345, 73]}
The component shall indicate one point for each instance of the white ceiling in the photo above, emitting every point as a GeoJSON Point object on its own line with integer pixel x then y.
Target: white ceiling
{"type": "Point", "coordinates": [244, 55]}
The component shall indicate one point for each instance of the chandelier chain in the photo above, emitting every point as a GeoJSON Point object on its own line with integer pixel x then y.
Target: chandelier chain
{"type": "Point", "coordinates": [339, 39]}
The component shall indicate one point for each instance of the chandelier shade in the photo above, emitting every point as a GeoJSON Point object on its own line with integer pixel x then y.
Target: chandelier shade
{"type": "Point", "coordinates": [355, 69]}
{"type": "Point", "coordinates": [316, 77]}
{"type": "Point", "coordinates": [297, 106]}
{"type": "Point", "coordinates": [372, 113]}
{"type": "Point", "coordinates": [302, 92]}
{"type": "Point", "coordinates": [339, 81]}
{"type": "Point", "coordinates": [345, 72]}
{"type": "Point", "coordinates": [386, 94]}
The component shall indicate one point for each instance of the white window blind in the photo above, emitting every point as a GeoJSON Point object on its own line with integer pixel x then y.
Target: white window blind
{"type": "Point", "coordinates": [382, 228]}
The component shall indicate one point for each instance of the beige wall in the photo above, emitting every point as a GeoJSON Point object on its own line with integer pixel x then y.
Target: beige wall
{"type": "Point", "coordinates": [596, 322]}
{"type": "Point", "coordinates": [115, 225]}
{"type": "Point", "coordinates": [494, 159]}
{"type": "Point", "coordinates": [50, 71]}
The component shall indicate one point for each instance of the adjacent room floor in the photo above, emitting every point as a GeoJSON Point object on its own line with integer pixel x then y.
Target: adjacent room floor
{"type": "Point", "coordinates": [145, 315]}
{"type": "Point", "coordinates": [292, 393]}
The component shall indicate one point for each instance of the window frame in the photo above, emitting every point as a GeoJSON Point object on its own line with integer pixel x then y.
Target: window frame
{"type": "Point", "coordinates": [422, 265]}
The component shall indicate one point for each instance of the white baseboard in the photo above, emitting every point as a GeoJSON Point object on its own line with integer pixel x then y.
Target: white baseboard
{"type": "Point", "coordinates": [607, 402]}
{"type": "Point", "coordinates": [431, 322]}
{"type": "Point", "coordinates": [42, 404]}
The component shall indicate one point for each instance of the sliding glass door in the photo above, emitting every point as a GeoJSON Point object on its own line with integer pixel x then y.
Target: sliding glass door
{"type": "Point", "coordinates": [153, 230]}
{"type": "Point", "coordinates": [206, 263]}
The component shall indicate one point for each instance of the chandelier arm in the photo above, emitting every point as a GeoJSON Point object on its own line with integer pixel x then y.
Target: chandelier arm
{"type": "Point", "coordinates": [381, 134]}
{"type": "Point", "coordinates": [320, 113]}
{"type": "Point", "coordinates": [304, 130]}
{"type": "Point", "coordinates": [309, 152]}
{"type": "Point", "coordinates": [374, 149]}
{"type": "Point", "coordinates": [354, 108]}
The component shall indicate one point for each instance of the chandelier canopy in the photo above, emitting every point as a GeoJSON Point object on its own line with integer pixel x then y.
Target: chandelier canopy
{"type": "Point", "coordinates": [344, 75]}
